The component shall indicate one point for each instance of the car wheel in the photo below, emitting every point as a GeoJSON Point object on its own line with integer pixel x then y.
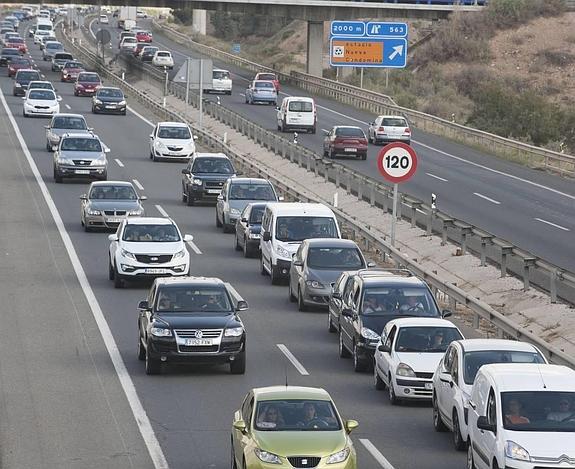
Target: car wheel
{"type": "Point", "coordinates": [153, 365]}
{"type": "Point", "coordinates": [237, 244]}
{"type": "Point", "coordinates": [190, 200]}
{"type": "Point", "coordinates": [331, 154]}
{"type": "Point", "coordinates": [470, 461]}
{"type": "Point", "coordinates": [301, 306]}
{"type": "Point", "coordinates": [104, 176]}
{"type": "Point", "coordinates": [248, 252]}
{"type": "Point", "coordinates": [263, 270]}
{"type": "Point", "coordinates": [358, 363]}
{"type": "Point", "coordinates": [377, 381]}
{"type": "Point", "coordinates": [458, 442]}
{"type": "Point", "coordinates": [238, 366]}
{"type": "Point", "coordinates": [343, 352]}
{"type": "Point", "coordinates": [48, 146]}
{"type": "Point", "coordinates": [118, 282]}
{"type": "Point", "coordinates": [292, 298]}
{"type": "Point", "coordinates": [283, 127]}
{"type": "Point", "coordinates": [275, 277]}
{"type": "Point", "coordinates": [111, 273]}
{"type": "Point", "coordinates": [184, 197]}
{"type": "Point", "coordinates": [369, 139]}
{"type": "Point", "coordinates": [57, 177]}
{"type": "Point", "coordinates": [233, 456]}
{"type": "Point", "coordinates": [24, 113]}
{"type": "Point", "coordinates": [393, 400]}
{"type": "Point", "coordinates": [364, 157]}
{"type": "Point", "coordinates": [218, 223]}
{"type": "Point", "coordinates": [141, 349]}
{"type": "Point", "coordinates": [227, 228]}
{"type": "Point", "coordinates": [330, 325]}
{"type": "Point", "coordinates": [124, 112]}
{"type": "Point", "coordinates": [438, 424]}
{"type": "Point", "coordinates": [87, 229]}
{"type": "Point", "coordinates": [312, 130]}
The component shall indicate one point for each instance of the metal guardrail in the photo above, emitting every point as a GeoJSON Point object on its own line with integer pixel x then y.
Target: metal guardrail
{"type": "Point", "coordinates": [378, 104]}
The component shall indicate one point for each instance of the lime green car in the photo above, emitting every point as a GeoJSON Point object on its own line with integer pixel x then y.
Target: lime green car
{"type": "Point", "coordinates": [291, 427]}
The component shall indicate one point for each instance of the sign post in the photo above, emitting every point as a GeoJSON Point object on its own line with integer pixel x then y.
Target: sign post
{"type": "Point", "coordinates": [397, 163]}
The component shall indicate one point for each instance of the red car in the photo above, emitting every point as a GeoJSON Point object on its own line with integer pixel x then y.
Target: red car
{"type": "Point", "coordinates": [144, 36]}
{"type": "Point", "coordinates": [266, 76]}
{"type": "Point", "coordinates": [17, 43]}
{"type": "Point", "coordinates": [139, 47]}
{"type": "Point", "coordinates": [71, 71]}
{"type": "Point", "coordinates": [18, 63]}
{"type": "Point", "coordinates": [345, 140]}
{"type": "Point", "coordinates": [87, 84]}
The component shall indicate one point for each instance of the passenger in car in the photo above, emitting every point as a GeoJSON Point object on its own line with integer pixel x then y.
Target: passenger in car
{"type": "Point", "coordinates": [513, 414]}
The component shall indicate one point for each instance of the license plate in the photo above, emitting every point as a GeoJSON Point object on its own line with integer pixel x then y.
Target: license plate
{"type": "Point", "coordinates": [351, 150]}
{"type": "Point", "coordinates": [114, 220]}
{"type": "Point", "coordinates": [82, 171]}
{"type": "Point", "coordinates": [429, 386]}
{"type": "Point", "coordinates": [214, 191]}
{"type": "Point", "coordinates": [196, 342]}
{"type": "Point", "coordinates": [155, 271]}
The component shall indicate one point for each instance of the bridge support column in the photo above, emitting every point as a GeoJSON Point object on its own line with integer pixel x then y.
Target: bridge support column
{"type": "Point", "coordinates": [314, 64]}
{"type": "Point", "coordinates": [199, 21]}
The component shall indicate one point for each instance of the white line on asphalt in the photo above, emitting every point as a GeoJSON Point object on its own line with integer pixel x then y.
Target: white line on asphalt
{"type": "Point", "coordinates": [489, 199]}
{"type": "Point", "coordinates": [150, 123]}
{"type": "Point", "coordinates": [90, 28]}
{"type": "Point", "coordinates": [295, 362]}
{"type": "Point", "coordinates": [380, 458]}
{"type": "Point", "coordinates": [236, 296]}
{"type": "Point", "coordinates": [138, 184]}
{"type": "Point", "coordinates": [436, 177]}
{"type": "Point", "coordinates": [142, 420]}
{"type": "Point", "coordinates": [119, 163]}
{"type": "Point", "coordinates": [195, 248]}
{"type": "Point", "coordinates": [553, 224]}
{"type": "Point", "coordinates": [67, 106]}
{"type": "Point", "coordinates": [162, 211]}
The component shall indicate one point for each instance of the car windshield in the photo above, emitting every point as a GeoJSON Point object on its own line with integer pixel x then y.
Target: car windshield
{"type": "Point", "coordinates": [266, 76]}
{"type": "Point", "coordinates": [151, 234]}
{"type": "Point", "coordinates": [150, 50]}
{"type": "Point", "coordinates": [301, 106]}
{"type": "Point", "coordinates": [538, 411]}
{"type": "Point", "coordinates": [349, 132]}
{"type": "Point", "coordinates": [91, 78]}
{"type": "Point", "coordinates": [296, 415]}
{"type": "Point", "coordinates": [40, 85]}
{"type": "Point", "coordinates": [68, 122]}
{"type": "Point", "coordinates": [194, 299]}
{"type": "Point", "coordinates": [399, 301]}
{"type": "Point", "coordinates": [130, 40]}
{"type": "Point", "coordinates": [81, 144]}
{"type": "Point", "coordinates": [296, 229]}
{"type": "Point", "coordinates": [10, 52]}
{"type": "Point", "coordinates": [472, 361]}
{"type": "Point", "coordinates": [110, 93]}
{"type": "Point", "coordinates": [256, 215]}
{"type": "Point", "coordinates": [426, 339]}
{"type": "Point", "coordinates": [220, 75]}
{"type": "Point", "coordinates": [393, 122]}
{"type": "Point", "coordinates": [27, 76]}
{"type": "Point", "coordinates": [44, 28]}
{"type": "Point", "coordinates": [54, 45]}
{"type": "Point", "coordinates": [44, 95]}
{"type": "Point", "coordinates": [212, 166]}
{"type": "Point", "coordinates": [63, 57]}
{"type": "Point", "coordinates": [264, 84]}
{"type": "Point", "coordinates": [20, 61]}
{"type": "Point", "coordinates": [113, 193]}
{"type": "Point", "coordinates": [73, 65]}
{"type": "Point", "coordinates": [16, 40]}
{"type": "Point", "coordinates": [177, 133]}
{"type": "Point", "coordinates": [251, 192]}
{"type": "Point", "coordinates": [335, 258]}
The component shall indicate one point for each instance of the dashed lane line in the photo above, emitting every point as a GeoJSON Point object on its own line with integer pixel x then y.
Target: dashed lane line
{"type": "Point", "coordinates": [489, 199]}
{"type": "Point", "coordinates": [552, 224]}
{"type": "Point", "coordinates": [138, 184]}
{"type": "Point", "coordinates": [380, 458]}
{"type": "Point", "coordinates": [119, 163]}
{"type": "Point", "coordinates": [295, 362]}
{"type": "Point", "coordinates": [162, 211]}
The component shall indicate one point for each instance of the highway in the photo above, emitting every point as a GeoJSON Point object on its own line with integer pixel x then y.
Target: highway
{"type": "Point", "coordinates": [530, 208]}
{"type": "Point", "coordinates": [191, 409]}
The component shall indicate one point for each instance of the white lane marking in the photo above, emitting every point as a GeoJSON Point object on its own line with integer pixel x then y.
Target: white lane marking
{"type": "Point", "coordinates": [162, 211]}
{"type": "Point", "coordinates": [552, 224]}
{"type": "Point", "coordinates": [149, 122]}
{"type": "Point", "coordinates": [194, 247]}
{"type": "Point", "coordinates": [436, 177]}
{"type": "Point", "coordinates": [380, 458]}
{"type": "Point", "coordinates": [68, 106]}
{"type": "Point", "coordinates": [295, 362]}
{"type": "Point", "coordinates": [137, 184]}
{"type": "Point", "coordinates": [142, 420]}
{"type": "Point", "coordinates": [119, 163]}
{"type": "Point", "coordinates": [489, 199]}
{"type": "Point", "coordinates": [233, 292]}
{"type": "Point", "coordinates": [90, 28]}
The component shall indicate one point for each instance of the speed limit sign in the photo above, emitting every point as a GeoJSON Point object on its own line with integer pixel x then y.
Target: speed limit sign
{"type": "Point", "coordinates": [397, 162]}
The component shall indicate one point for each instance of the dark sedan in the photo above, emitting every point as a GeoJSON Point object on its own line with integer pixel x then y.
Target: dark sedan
{"type": "Point", "coordinates": [248, 229]}
{"type": "Point", "coordinates": [109, 100]}
{"type": "Point", "coordinates": [148, 53]}
{"type": "Point", "coordinates": [22, 79]}
{"type": "Point", "coordinates": [345, 140]}
{"type": "Point", "coordinates": [7, 54]}
{"type": "Point", "coordinates": [18, 63]}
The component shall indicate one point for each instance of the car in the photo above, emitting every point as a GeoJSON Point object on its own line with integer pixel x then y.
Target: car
{"type": "Point", "coordinates": [163, 58]}
{"type": "Point", "coordinates": [62, 124]}
{"type": "Point", "coordinates": [19, 63]}
{"type": "Point", "coordinates": [5, 29]}
{"type": "Point", "coordinates": [141, 14]}
{"type": "Point", "coordinates": [291, 426]}
{"type": "Point", "coordinates": [17, 43]}
{"type": "Point", "coordinates": [345, 140]}
{"type": "Point", "coordinates": [522, 416]}
{"type": "Point", "coordinates": [109, 100]}
{"type": "Point", "coordinates": [43, 85]}
{"type": "Point", "coordinates": [87, 84]}
{"type": "Point", "coordinates": [236, 194]}
{"type": "Point", "coordinates": [103, 19]}
{"type": "Point", "coordinates": [7, 35]}
{"type": "Point", "coordinates": [268, 76]}
{"type": "Point", "coordinates": [47, 38]}
{"type": "Point", "coordinates": [191, 320]}
{"type": "Point", "coordinates": [148, 53]}
{"type": "Point", "coordinates": [71, 70]}
{"type": "Point", "coordinates": [138, 48]}
{"type": "Point", "coordinates": [128, 45]}
{"type": "Point", "coordinates": [32, 31]}
{"type": "Point", "coordinates": [396, 293]}
{"type": "Point", "coordinates": [107, 203]}
{"type": "Point", "coordinates": [248, 229]}
{"type": "Point", "coordinates": [80, 156]}
{"type": "Point", "coordinates": [172, 140]}
{"type": "Point", "coordinates": [14, 20]}
{"type": "Point", "coordinates": [51, 48]}
{"type": "Point", "coordinates": [387, 129]}
{"type": "Point", "coordinates": [407, 354]}
{"type": "Point", "coordinates": [22, 78]}
{"type": "Point", "coordinates": [41, 102]}
{"type": "Point", "coordinates": [297, 113]}
{"type": "Point", "coordinates": [125, 34]}
{"type": "Point", "coordinates": [144, 36]}
{"type": "Point", "coordinates": [7, 54]}
{"type": "Point", "coordinates": [261, 92]}
{"type": "Point", "coordinates": [454, 376]}
{"type": "Point", "coordinates": [145, 248]}
{"type": "Point", "coordinates": [316, 265]}
{"type": "Point", "coordinates": [59, 60]}
{"type": "Point", "coordinates": [205, 176]}
{"type": "Point", "coordinates": [221, 82]}
{"type": "Point", "coordinates": [40, 34]}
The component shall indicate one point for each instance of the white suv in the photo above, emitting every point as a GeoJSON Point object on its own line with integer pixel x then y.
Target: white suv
{"type": "Point", "coordinates": [454, 377]}
{"type": "Point", "coordinates": [147, 247]}
{"type": "Point", "coordinates": [172, 140]}
{"type": "Point", "coordinates": [163, 58]}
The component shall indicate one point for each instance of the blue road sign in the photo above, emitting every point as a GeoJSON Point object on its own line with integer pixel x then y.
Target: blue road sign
{"type": "Point", "coordinates": [347, 28]}
{"type": "Point", "coordinates": [389, 52]}
{"type": "Point", "coordinates": [381, 29]}
{"type": "Point", "coordinates": [236, 48]}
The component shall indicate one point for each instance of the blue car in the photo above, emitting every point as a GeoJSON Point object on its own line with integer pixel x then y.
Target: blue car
{"type": "Point", "coordinates": [261, 91]}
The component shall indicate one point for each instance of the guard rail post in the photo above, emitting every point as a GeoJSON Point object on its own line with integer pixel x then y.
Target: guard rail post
{"type": "Point", "coordinates": [429, 228]}
{"type": "Point", "coordinates": [415, 206]}
{"type": "Point", "coordinates": [485, 241]}
{"type": "Point", "coordinates": [528, 262]}
{"type": "Point", "coordinates": [465, 230]}
{"type": "Point", "coordinates": [446, 224]}
{"type": "Point", "coordinates": [372, 195]}
{"type": "Point", "coordinates": [554, 276]}
{"type": "Point", "coordinates": [360, 189]}
{"type": "Point", "coordinates": [505, 251]}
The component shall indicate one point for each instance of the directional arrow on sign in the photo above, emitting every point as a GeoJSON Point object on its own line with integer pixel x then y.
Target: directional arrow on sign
{"type": "Point", "coordinates": [397, 50]}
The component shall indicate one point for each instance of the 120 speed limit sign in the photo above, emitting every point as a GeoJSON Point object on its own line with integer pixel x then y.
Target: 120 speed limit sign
{"type": "Point", "coordinates": [397, 162]}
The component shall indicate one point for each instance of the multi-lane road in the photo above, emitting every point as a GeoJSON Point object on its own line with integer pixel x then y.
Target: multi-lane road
{"type": "Point", "coordinates": [190, 409]}
{"type": "Point", "coordinates": [529, 208]}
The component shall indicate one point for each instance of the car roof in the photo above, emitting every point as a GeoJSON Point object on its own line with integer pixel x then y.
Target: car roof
{"type": "Point", "coordinates": [149, 221]}
{"type": "Point", "coordinates": [178, 281]}
{"type": "Point", "coordinates": [392, 116]}
{"type": "Point", "coordinates": [299, 98]}
{"type": "Point", "coordinates": [347, 127]}
{"type": "Point", "coordinates": [290, 392]}
{"type": "Point", "coordinates": [476, 345]}
{"type": "Point", "coordinates": [112, 183]}
{"type": "Point", "coordinates": [530, 377]}
{"type": "Point", "coordinates": [237, 180]}
{"type": "Point", "coordinates": [392, 280]}
{"type": "Point", "coordinates": [330, 243]}
{"type": "Point", "coordinates": [173, 124]}
{"type": "Point", "coordinates": [212, 155]}
{"type": "Point", "coordinates": [219, 70]}
{"type": "Point", "coordinates": [300, 208]}
{"type": "Point", "coordinates": [421, 322]}
{"type": "Point", "coordinates": [64, 114]}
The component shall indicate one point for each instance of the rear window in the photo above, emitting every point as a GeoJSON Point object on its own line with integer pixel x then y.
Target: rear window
{"type": "Point", "coordinates": [266, 76]}
{"type": "Point", "coordinates": [47, 95]}
{"type": "Point", "coordinates": [301, 106]}
{"type": "Point", "coordinates": [26, 75]}
{"type": "Point", "coordinates": [220, 75]}
{"type": "Point", "coordinates": [264, 84]}
{"type": "Point", "coordinates": [67, 122]}
{"type": "Point", "coordinates": [163, 54]}
{"type": "Point", "coordinates": [349, 132]}
{"type": "Point", "coordinates": [394, 122]}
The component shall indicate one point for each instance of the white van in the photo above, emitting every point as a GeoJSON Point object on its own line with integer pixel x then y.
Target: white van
{"type": "Point", "coordinates": [522, 416]}
{"type": "Point", "coordinates": [297, 113]}
{"type": "Point", "coordinates": [44, 14]}
{"type": "Point", "coordinates": [285, 226]}
{"type": "Point", "coordinates": [221, 81]}
{"type": "Point", "coordinates": [44, 24]}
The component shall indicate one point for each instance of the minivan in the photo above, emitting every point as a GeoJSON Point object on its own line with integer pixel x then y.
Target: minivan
{"type": "Point", "coordinates": [284, 227]}
{"type": "Point", "coordinates": [297, 113]}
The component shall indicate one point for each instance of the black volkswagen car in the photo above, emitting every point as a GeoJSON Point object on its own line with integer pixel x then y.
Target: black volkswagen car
{"type": "Point", "coordinates": [187, 320]}
{"type": "Point", "coordinates": [248, 229]}
{"type": "Point", "coordinates": [205, 176]}
{"type": "Point", "coordinates": [109, 100]}
{"type": "Point", "coordinates": [7, 54]}
{"type": "Point", "coordinates": [22, 79]}
{"type": "Point", "coordinates": [60, 59]}
{"type": "Point", "coordinates": [148, 53]}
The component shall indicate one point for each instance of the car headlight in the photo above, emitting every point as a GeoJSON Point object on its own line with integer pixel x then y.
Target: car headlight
{"type": "Point", "coordinates": [180, 254]}
{"type": "Point", "coordinates": [93, 212]}
{"type": "Point", "coordinates": [97, 101]}
{"type": "Point", "coordinates": [405, 370]}
{"type": "Point", "coordinates": [514, 451]}
{"type": "Point", "coordinates": [314, 284]}
{"type": "Point", "coordinates": [340, 456]}
{"type": "Point", "coordinates": [160, 144]}
{"type": "Point", "coordinates": [197, 182]}
{"type": "Point", "coordinates": [99, 161]}
{"type": "Point", "coordinates": [127, 254]}
{"type": "Point", "coordinates": [234, 211]}
{"type": "Point", "coordinates": [367, 333]}
{"type": "Point", "coordinates": [79, 85]}
{"type": "Point", "coordinates": [17, 85]}
{"type": "Point", "coordinates": [264, 456]}
{"type": "Point", "coordinates": [161, 332]}
{"type": "Point", "coordinates": [136, 212]}
{"type": "Point", "coordinates": [62, 160]}
{"type": "Point", "coordinates": [122, 103]}
{"type": "Point", "coordinates": [234, 332]}
{"type": "Point", "coordinates": [283, 252]}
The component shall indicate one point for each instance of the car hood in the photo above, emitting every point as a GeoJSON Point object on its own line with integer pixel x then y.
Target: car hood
{"type": "Point", "coordinates": [97, 204]}
{"type": "Point", "coordinates": [200, 320]}
{"type": "Point", "coordinates": [81, 155]}
{"type": "Point", "coordinates": [89, 84]}
{"type": "Point", "coordinates": [544, 444]}
{"type": "Point", "coordinates": [213, 177]}
{"type": "Point", "coordinates": [110, 99]}
{"type": "Point", "coordinates": [308, 443]}
{"type": "Point", "coordinates": [61, 132]}
{"type": "Point", "coordinates": [325, 276]}
{"type": "Point", "coordinates": [421, 362]}
{"type": "Point", "coordinates": [376, 323]}
{"type": "Point", "coordinates": [41, 102]}
{"type": "Point", "coordinates": [175, 142]}
{"type": "Point", "coordinates": [153, 248]}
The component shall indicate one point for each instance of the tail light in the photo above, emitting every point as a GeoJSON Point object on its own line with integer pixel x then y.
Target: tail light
{"type": "Point", "coordinates": [381, 129]}
{"type": "Point", "coordinates": [407, 130]}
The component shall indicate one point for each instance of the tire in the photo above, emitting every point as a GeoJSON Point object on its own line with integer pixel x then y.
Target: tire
{"type": "Point", "coordinates": [57, 177]}
{"type": "Point", "coordinates": [343, 352]}
{"type": "Point", "coordinates": [104, 176]}
{"type": "Point", "coordinates": [393, 400]}
{"type": "Point", "coordinates": [248, 252]}
{"type": "Point", "coordinates": [458, 442]}
{"type": "Point", "coordinates": [331, 154]}
{"type": "Point", "coordinates": [218, 223]}
{"type": "Point", "coordinates": [263, 270]}
{"type": "Point", "coordinates": [227, 228]}
{"type": "Point", "coordinates": [48, 146]}
{"type": "Point", "coordinates": [470, 461]}
{"type": "Point", "coordinates": [276, 279]}
{"type": "Point", "coordinates": [233, 456]}
{"type": "Point", "coordinates": [301, 306]}
{"type": "Point", "coordinates": [111, 272]}
{"type": "Point", "coordinates": [141, 350]}
{"type": "Point", "coordinates": [124, 112]}
{"type": "Point", "coordinates": [438, 424]}
{"type": "Point", "coordinates": [87, 229]}
{"type": "Point", "coordinates": [330, 326]}
{"type": "Point", "coordinates": [291, 297]}
{"type": "Point", "coordinates": [94, 111]}
{"type": "Point", "coordinates": [363, 157]}
{"type": "Point", "coordinates": [237, 245]}
{"type": "Point", "coordinates": [283, 127]}
{"type": "Point", "coordinates": [377, 381]}
{"type": "Point", "coordinates": [118, 282]}
{"type": "Point", "coordinates": [184, 196]}
{"type": "Point", "coordinates": [238, 366]}
{"type": "Point", "coordinates": [359, 365]}
{"type": "Point", "coordinates": [190, 201]}
{"type": "Point", "coordinates": [153, 365]}
{"type": "Point", "coordinates": [312, 130]}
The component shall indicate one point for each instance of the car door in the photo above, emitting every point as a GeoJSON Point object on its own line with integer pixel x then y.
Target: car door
{"type": "Point", "coordinates": [146, 316]}
{"type": "Point", "coordinates": [296, 269]}
{"type": "Point", "coordinates": [485, 444]}
{"type": "Point", "coordinates": [114, 244]}
{"type": "Point", "coordinates": [243, 440]}
{"type": "Point", "coordinates": [334, 306]}
{"type": "Point", "coordinates": [221, 202]}
{"type": "Point", "coordinates": [350, 324]}
{"type": "Point", "coordinates": [153, 139]}
{"type": "Point", "coordinates": [187, 179]}
{"type": "Point", "coordinates": [378, 354]}
{"type": "Point", "coordinates": [327, 140]}
{"type": "Point", "coordinates": [386, 358]}
{"type": "Point", "coordinates": [443, 392]}
{"type": "Point", "coordinates": [242, 225]}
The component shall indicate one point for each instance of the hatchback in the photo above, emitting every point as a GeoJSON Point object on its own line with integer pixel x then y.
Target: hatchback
{"type": "Point", "coordinates": [109, 100]}
{"type": "Point", "coordinates": [163, 58]}
{"type": "Point", "coordinates": [386, 129]}
{"type": "Point", "coordinates": [261, 92]}
{"type": "Point", "coordinates": [345, 140]}
{"type": "Point", "coordinates": [18, 63]}
{"type": "Point", "coordinates": [71, 70]}
{"type": "Point", "coordinates": [87, 83]}
{"type": "Point", "coordinates": [21, 80]}
{"type": "Point", "coordinates": [41, 102]}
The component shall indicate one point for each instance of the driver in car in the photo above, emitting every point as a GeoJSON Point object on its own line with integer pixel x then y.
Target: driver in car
{"type": "Point", "coordinates": [413, 304]}
{"type": "Point", "coordinates": [309, 415]}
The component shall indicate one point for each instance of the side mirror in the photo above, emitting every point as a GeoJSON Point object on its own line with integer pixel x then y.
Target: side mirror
{"type": "Point", "coordinates": [244, 220]}
{"type": "Point", "coordinates": [351, 425]}
{"type": "Point", "coordinates": [59, 98]}
{"type": "Point", "coordinates": [54, 147]}
{"type": "Point", "coordinates": [240, 425]}
{"type": "Point", "coordinates": [445, 377]}
{"type": "Point", "coordinates": [151, 135]}
{"type": "Point", "coordinates": [281, 198]}
{"type": "Point", "coordinates": [185, 171]}
{"type": "Point", "coordinates": [277, 108]}
{"type": "Point", "coordinates": [143, 197]}
{"type": "Point", "coordinates": [483, 424]}
{"type": "Point", "coordinates": [384, 348]}
{"type": "Point", "coordinates": [112, 237]}
{"type": "Point", "coordinates": [221, 197]}
{"type": "Point", "coordinates": [23, 97]}
{"type": "Point", "coordinates": [188, 238]}
{"type": "Point", "coordinates": [242, 305]}
{"type": "Point", "coordinates": [83, 197]}
{"type": "Point", "coordinates": [446, 313]}
{"type": "Point", "coordinates": [325, 131]}
{"type": "Point", "coordinates": [90, 129]}
{"type": "Point", "coordinates": [143, 305]}
{"type": "Point", "coordinates": [47, 127]}
{"type": "Point", "coordinates": [370, 265]}
{"type": "Point", "coordinates": [267, 236]}
{"type": "Point", "coordinates": [195, 137]}
{"type": "Point", "coordinates": [106, 150]}
{"type": "Point", "coordinates": [347, 313]}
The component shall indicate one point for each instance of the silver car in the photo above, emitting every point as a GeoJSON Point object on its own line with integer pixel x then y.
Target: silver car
{"type": "Point", "coordinates": [236, 194]}
{"type": "Point", "coordinates": [107, 203]}
{"type": "Point", "coordinates": [80, 156]}
{"type": "Point", "coordinates": [386, 129]}
{"type": "Point", "coordinates": [316, 266]}
{"type": "Point", "coordinates": [63, 124]}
